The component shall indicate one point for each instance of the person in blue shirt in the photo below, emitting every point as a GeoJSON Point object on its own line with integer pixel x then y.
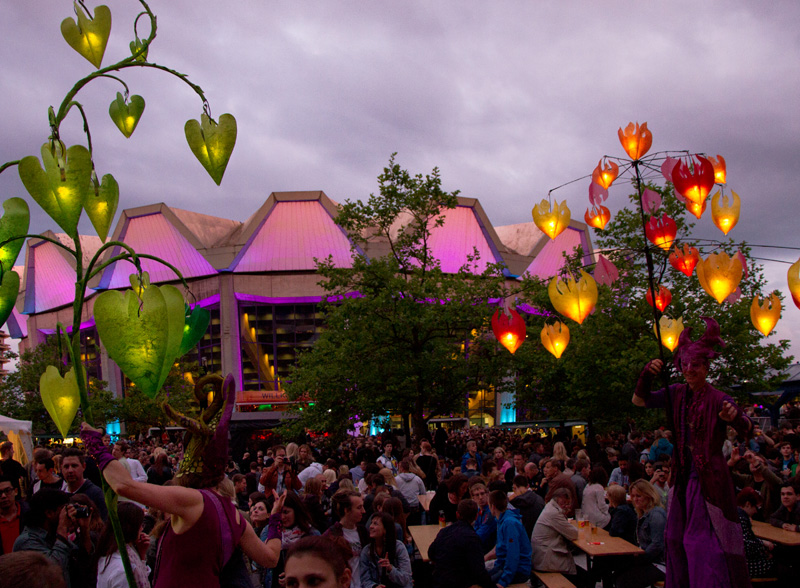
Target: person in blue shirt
{"type": "Point", "coordinates": [513, 549]}
{"type": "Point", "coordinates": [485, 524]}
{"type": "Point", "coordinates": [472, 453]}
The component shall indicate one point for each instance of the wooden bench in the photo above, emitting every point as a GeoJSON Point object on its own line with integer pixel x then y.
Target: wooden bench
{"type": "Point", "coordinates": [553, 580]}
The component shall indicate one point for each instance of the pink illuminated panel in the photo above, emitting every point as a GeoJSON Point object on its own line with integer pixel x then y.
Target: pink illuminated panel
{"type": "Point", "coordinates": [550, 259]}
{"type": "Point", "coordinates": [453, 241]}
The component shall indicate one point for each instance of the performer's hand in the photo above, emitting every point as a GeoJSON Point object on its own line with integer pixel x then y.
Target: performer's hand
{"type": "Point", "coordinates": [279, 500]}
{"type": "Point", "coordinates": [86, 426]}
{"type": "Point", "coordinates": [728, 412]}
{"type": "Point", "coordinates": [655, 367]}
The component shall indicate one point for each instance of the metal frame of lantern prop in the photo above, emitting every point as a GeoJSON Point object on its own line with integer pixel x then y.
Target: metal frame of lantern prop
{"type": "Point", "coordinates": [66, 187]}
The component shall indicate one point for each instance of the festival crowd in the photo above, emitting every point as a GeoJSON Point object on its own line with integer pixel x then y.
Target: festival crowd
{"type": "Point", "coordinates": [340, 516]}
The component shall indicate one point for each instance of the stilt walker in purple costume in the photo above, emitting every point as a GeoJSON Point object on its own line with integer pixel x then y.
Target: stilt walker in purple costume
{"type": "Point", "coordinates": [704, 545]}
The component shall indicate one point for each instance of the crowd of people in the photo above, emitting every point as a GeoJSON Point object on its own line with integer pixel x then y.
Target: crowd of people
{"type": "Point", "coordinates": [505, 497]}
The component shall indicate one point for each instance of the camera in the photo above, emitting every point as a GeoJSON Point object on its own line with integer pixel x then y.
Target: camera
{"type": "Point", "coordinates": [82, 512]}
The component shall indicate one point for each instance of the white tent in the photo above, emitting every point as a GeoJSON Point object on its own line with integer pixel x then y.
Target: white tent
{"type": "Point", "coordinates": [19, 433]}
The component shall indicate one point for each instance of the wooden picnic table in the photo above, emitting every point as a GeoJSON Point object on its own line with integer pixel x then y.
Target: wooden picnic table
{"type": "Point", "coordinates": [423, 536]}
{"type": "Point", "coordinates": [602, 544]}
{"type": "Point", "coordinates": [775, 534]}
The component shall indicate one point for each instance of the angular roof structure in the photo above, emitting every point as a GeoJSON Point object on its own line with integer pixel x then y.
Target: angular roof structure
{"type": "Point", "coordinates": [548, 254]}
{"type": "Point", "coordinates": [288, 232]}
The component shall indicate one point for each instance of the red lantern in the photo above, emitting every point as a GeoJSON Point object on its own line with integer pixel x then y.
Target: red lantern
{"type": "Point", "coordinates": [597, 217]}
{"type": "Point", "coordinates": [509, 329]}
{"type": "Point", "coordinates": [696, 209]}
{"type": "Point", "coordinates": [720, 171]}
{"type": "Point", "coordinates": [684, 261]}
{"type": "Point", "coordinates": [694, 180]}
{"type": "Point", "coordinates": [661, 231]}
{"type": "Point", "coordinates": [663, 298]}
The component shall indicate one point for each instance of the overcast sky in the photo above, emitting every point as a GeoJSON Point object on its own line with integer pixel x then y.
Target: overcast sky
{"type": "Point", "coordinates": [508, 98]}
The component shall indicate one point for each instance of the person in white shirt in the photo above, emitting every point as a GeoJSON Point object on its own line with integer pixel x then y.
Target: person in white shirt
{"type": "Point", "coordinates": [412, 487]}
{"type": "Point", "coordinates": [387, 460]}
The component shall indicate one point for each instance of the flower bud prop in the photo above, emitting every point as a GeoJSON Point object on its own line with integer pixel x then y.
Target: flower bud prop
{"type": "Point", "coordinates": [60, 396]}
{"type": "Point", "coordinates": [724, 212]}
{"type": "Point", "coordinates": [605, 272]}
{"type": "Point", "coordinates": [793, 277]}
{"type": "Point", "coordinates": [720, 172]}
{"type": "Point", "coordinates": [62, 186]}
{"type": "Point", "coordinates": [663, 298]}
{"type": "Point", "coordinates": [695, 179]}
{"type": "Point", "coordinates": [604, 175]}
{"type": "Point", "coordinates": [555, 338]}
{"type": "Point", "coordinates": [88, 36]}
{"type": "Point", "coordinates": [651, 201]}
{"type": "Point", "coordinates": [765, 315]}
{"type": "Point", "coordinates": [661, 231]}
{"type": "Point", "coordinates": [597, 217]}
{"type": "Point", "coordinates": [719, 275]}
{"type": "Point", "coordinates": [212, 143]}
{"type": "Point", "coordinates": [684, 261]}
{"type": "Point", "coordinates": [670, 331]}
{"type": "Point", "coordinates": [551, 220]}
{"type": "Point", "coordinates": [509, 329]}
{"type": "Point", "coordinates": [575, 300]}
{"type": "Point", "coordinates": [143, 339]}
{"type": "Point", "coordinates": [636, 140]}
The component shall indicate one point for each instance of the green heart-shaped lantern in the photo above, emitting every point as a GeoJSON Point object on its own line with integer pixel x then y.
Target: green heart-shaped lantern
{"type": "Point", "coordinates": [197, 320]}
{"type": "Point", "coordinates": [62, 186]}
{"type": "Point", "coordinates": [101, 206]}
{"type": "Point", "coordinates": [212, 143]}
{"type": "Point", "coordinates": [146, 341]}
{"type": "Point", "coordinates": [89, 36]}
{"type": "Point", "coordinates": [9, 290]}
{"type": "Point", "coordinates": [60, 397]}
{"type": "Point", "coordinates": [14, 223]}
{"type": "Point", "coordinates": [137, 46]}
{"type": "Point", "coordinates": [126, 115]}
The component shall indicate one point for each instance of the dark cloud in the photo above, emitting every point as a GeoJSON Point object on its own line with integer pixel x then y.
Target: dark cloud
{"type": "Point", "coordinates": [508, 99]}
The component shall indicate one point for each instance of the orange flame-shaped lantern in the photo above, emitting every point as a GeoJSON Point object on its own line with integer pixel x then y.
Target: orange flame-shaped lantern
{"type": "Point", "coordinates": [696, 209]}
{"type": "Point", "coordinates": [604, 175]}
{"type": "Point", "coordinates": [509, 329]}
{"type": "Point", "coordinates": [574, 300]}
{"type": "Point", "coordinates": [684, 261]}
{"type": "Point", "coordinates": [765, 315]}
{"type": "Point", "coordinates": [663, 297]}
{"type": "Point", "coordinates": [555, 338]}
{"type": "Point", "coordinates": [551, 221]}
{"type": "Point", "coordinates": [636, 140]}
{"type": "Point", "coordinates": [793, 277]}
{"type": "Point", "coordinates": [597, 217]}
{"type": "Point", "coordinates": [670, 331]}
{"type": "Point", "coordinates": [719, 275]}
{"type": "Point", "coordinates": [694, 180]}
{"type": "Point", "coordinates": [661, 231]}
{"type": "Point", "coordinates": [725, 214]}
{"type": "Point", "coordinates": [720, 173]}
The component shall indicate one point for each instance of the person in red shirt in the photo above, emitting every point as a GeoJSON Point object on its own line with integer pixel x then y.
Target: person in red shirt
{"type": "Point", "coordinates": [10, 514]}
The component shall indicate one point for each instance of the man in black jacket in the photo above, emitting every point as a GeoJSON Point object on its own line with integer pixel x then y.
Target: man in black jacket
{"type": "Point", "coordinates": [529, 504]}
{"type": "Point", "coordinates": [457, 554]}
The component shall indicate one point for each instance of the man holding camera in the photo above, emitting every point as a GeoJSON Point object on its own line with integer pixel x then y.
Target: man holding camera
{"type": "Point", "coordinates": [73, 465]}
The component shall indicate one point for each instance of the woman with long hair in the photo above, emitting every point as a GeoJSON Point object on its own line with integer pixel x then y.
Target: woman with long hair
{"type": "Point", "coordinates": [313, 495]}
{"type": "Point", "coordinates": [296, 523]}
{"type": "Point", "coordinates": [107, 560]}
{"type": "Point", "coordinates": [322, 562]}
{"type": "Point", "coordinates": [500, 459]}
{"type": "Point", "coordinates": [648, 568]}
{"type": "Point", "coordinates": [594, 505]}
{"type": "Point", "coordinates": [385, 561]}
{"type": "Point", "coordinates": [161, 470]}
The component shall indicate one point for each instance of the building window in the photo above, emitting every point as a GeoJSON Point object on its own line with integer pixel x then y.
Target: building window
{"type": "Point", "coordinates": [90, 353]}
{"type": "Point", "coordinates": [208, 352]}
{"type": "Point", "coordinates": [272, 336]}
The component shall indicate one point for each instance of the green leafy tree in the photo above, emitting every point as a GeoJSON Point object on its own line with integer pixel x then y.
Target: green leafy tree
{"type": "Point", "coordinates": [397, 335]}
{"type": "Point", "coordinates": [595, 377]}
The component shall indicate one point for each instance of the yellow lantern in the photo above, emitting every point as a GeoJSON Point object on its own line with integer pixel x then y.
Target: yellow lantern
{"type": "Point", "coordinates": [725, 214]}
{"type": "Point", "coordinates": [555, 338]}
{"type": "Point", "coordinates": [551, 220]}
{"type": "Point", "coordinates": [719, 275]}
{"type": "Point", "coordinates": [670, 331]}
{"type": "Point", "coordinates": [720, 172]}
{"type": "Point", "coordinates": [765, 315]}
{"type": "Point", "coordinates": [604, 175]}
{"type": "Point", "coordinates": [793, 277]}
{"type": "Point", "coordinates": [636, 140]}
{"type": "Point", "coordinates": [573, 299]}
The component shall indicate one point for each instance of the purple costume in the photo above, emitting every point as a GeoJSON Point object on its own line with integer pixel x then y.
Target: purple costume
{"type": "Point", "coordinates": [704, 543]}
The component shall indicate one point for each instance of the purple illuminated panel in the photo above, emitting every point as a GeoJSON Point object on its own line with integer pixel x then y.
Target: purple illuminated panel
{"type": "Point", "coordinates": [453, 241]}
{"type": "Point", "coordinates": [155, 235]}
{"type": "Point", "coordinates": [550, 259]}
{"type": "Point", "coordinates": [50, 279]}
{"type": "Point", "coordinates": [293, 234]}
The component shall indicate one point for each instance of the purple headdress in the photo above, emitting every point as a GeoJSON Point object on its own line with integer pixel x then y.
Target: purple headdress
{"type": "Point", "coordinates": [206, 442]}
{"type": "Point", "coordinates": [703, 348]}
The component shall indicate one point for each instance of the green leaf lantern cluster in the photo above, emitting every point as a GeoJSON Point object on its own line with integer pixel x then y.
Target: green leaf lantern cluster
{"type": "Point", "coordinates": [60, 396]}
{"type": "Point", "coordinates": [126, 115]}
{"type": "Point", "coordinates": [88, 36]}
{"type": "Point", "coordinates": [13, 228]}
{"type": "Point", "coordinates": [212, 143]}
